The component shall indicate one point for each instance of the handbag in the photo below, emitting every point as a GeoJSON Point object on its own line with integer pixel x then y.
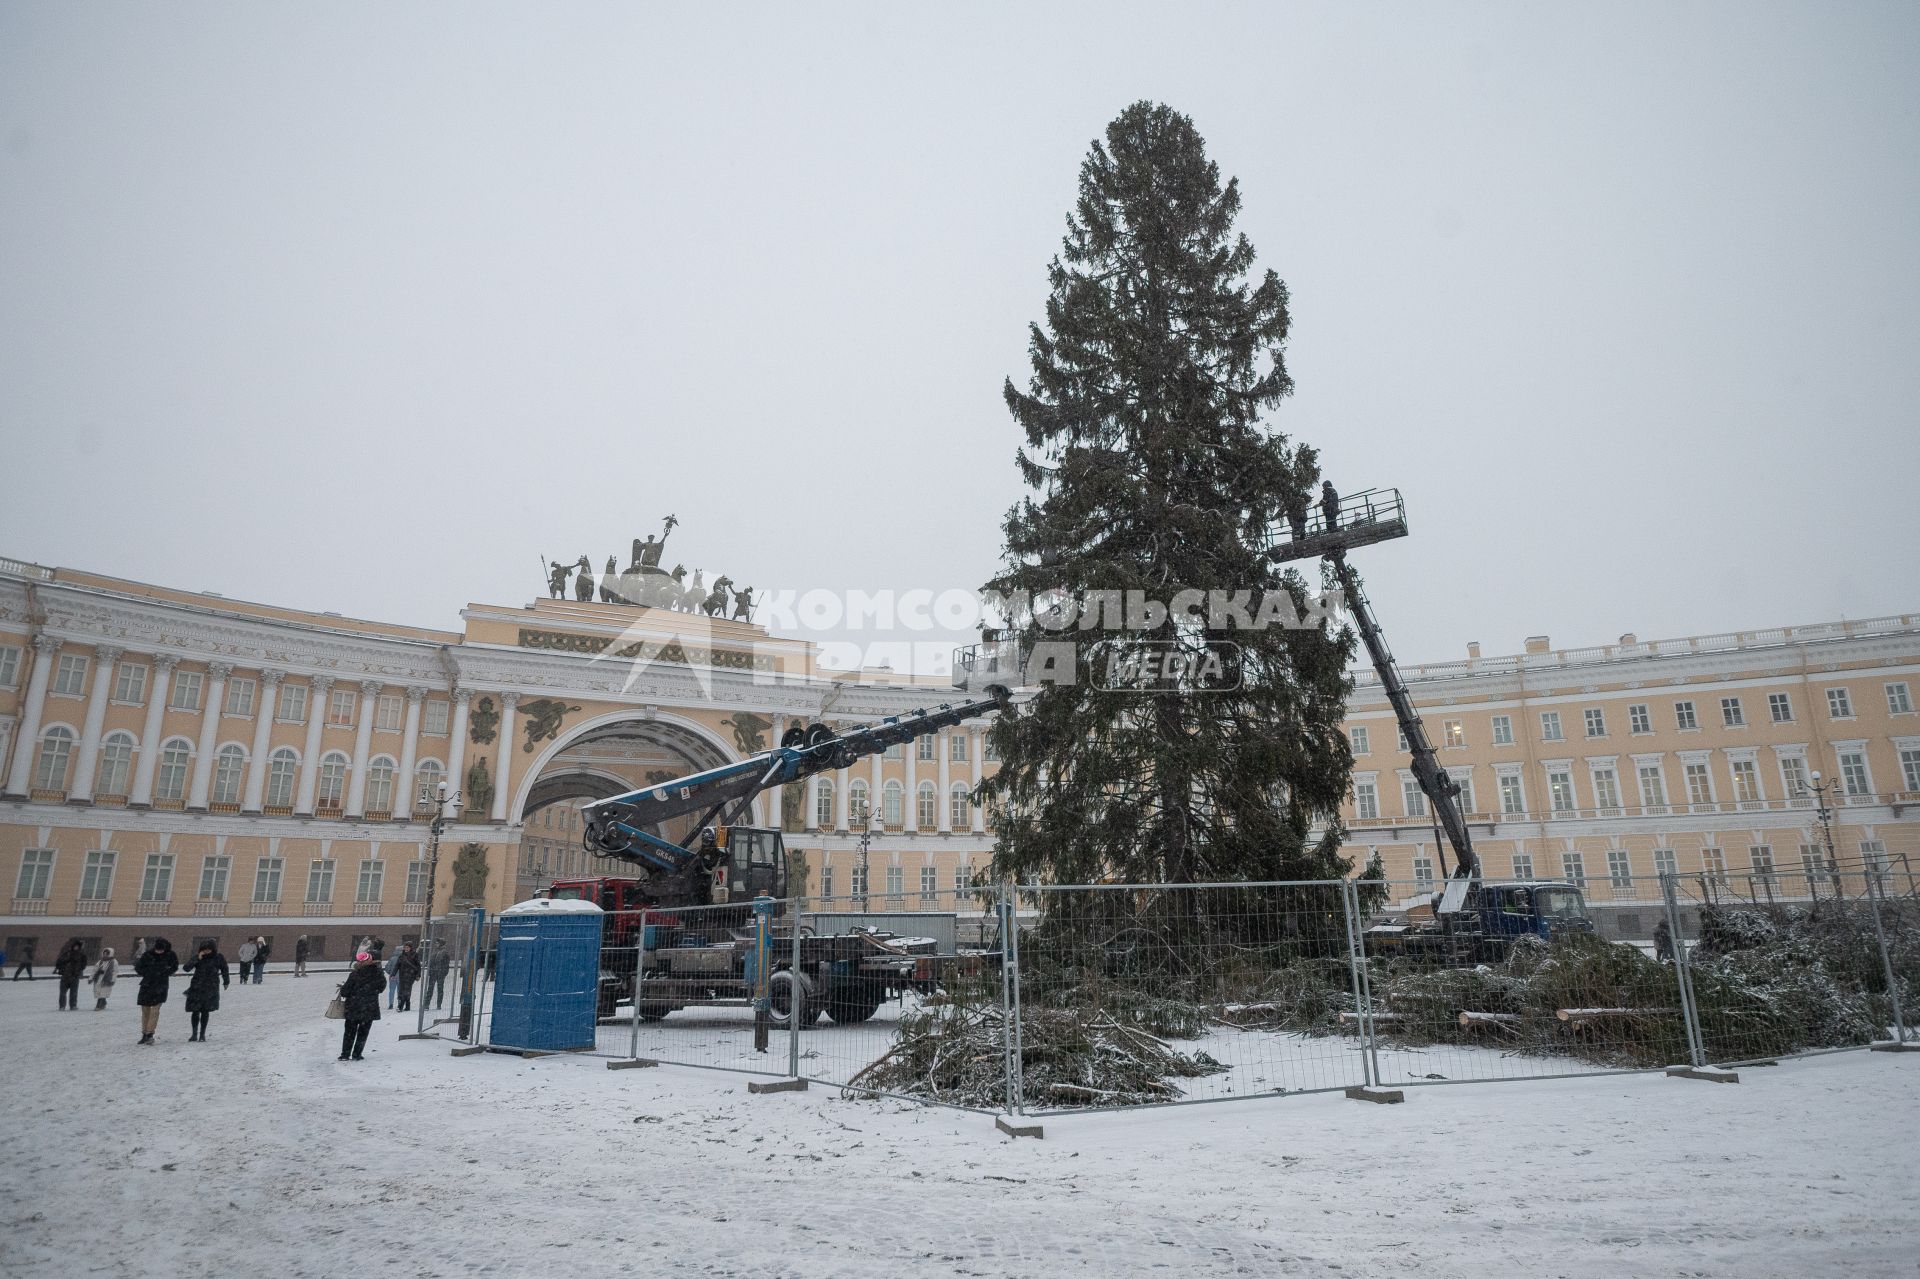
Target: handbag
{"type": "Point", "coordinates": [337, 1008]}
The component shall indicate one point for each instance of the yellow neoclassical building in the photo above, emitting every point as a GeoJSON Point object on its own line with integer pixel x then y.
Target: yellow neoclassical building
{"type": "Point", "coordinates": [176, 762]}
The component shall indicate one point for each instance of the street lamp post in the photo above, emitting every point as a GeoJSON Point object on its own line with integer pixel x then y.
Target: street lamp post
{"type": "Point", "coordinates": [439, 799]}
{"type": "Point", "coordinates": [1823, 815]}
{"type": "Point", "coordinates": [866, 842]}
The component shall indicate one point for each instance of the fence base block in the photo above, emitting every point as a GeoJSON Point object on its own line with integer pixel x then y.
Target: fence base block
{"type": "Point", "coordinates": [469, 1050]}
{"type": "Point", "coordinates": [634, 1064]}
{"type": "Point", "coordinates": [1034, 1131]}
{"type": "Point", "coordinates": [1381, 1096]}
{"type": "Point", "coordinates": [1891, 1047]}
{"type": "Point", "coordinates": [425, 1035]}
{"type": "Point", "coordinates": [778, 1085]}
{"type": "Point", "coordinates": [1708, 1073]}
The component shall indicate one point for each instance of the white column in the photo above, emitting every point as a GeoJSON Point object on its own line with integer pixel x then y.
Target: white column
{"type": "Point", "coordinates": [945, 807]}
{"type": "Point", "coordinates": [409, 747]}
{"type": "Point", "coordinates": [163, 664]}
{"type": "Point", "coordinates": [362, 748]}
{"type": "Point", "coordinates": [89, 761]}
{"type": "Point", "coordinates": [310, 759]}
{"type": "Point", "coordinates": [457, 741]}
{"type": "Point", "coordinates": [774, 795]}
{"type": "Point", "coordinates": [974, 739]}
{"type": "Point", "coordinates": [27, 738]}
{"type": "Point", "coordinates": [507, 702]}
{"type": "Point", "coordinates": [209, 734]}
{"type": "Point", "coordinates": [873, 793]}
{"type": "Point", "coordinates": [841, 801]}
{"type": "Point", "coordinates": [262, 735]}
{"type": "Point", "coordinates": [911, 814]}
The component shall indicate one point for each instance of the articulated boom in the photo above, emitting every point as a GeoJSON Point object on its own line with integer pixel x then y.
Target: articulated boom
{"type": "Point", "coordinates": [620, 827]}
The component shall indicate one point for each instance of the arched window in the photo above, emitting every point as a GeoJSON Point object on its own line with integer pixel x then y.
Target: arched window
{"type": "Point", "coordinates": [380, 785]}
{"type": "Point", "coordinates": [427, 776]}
{"type": "Point", "coordinates": [56, 749]}
{"type": "Point", "coordinates": [228, 767]}
{"type": "Point", "coordinates": [282, 767]}
{"type": "Point", "coordinates": [961, 811]}
{"type": "Point", "coordinates": [174, 758]}
{"type": "Point", "coordinates": [333, 779]}
{"type": "Point", "coordinates": [116, 764]}
{"type": "Point", "coordinates": [823, 803]}
{"type": "Point", "coordinates": [857, 801]}
{"type": "Point", "coordinates": [926, 805]}
{"type": "Point", "coordinates": [892, 803]}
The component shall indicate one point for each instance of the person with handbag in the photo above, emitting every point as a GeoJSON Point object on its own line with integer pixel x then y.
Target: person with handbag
{"type": "Point", "coordinates": [359, 1002]}
{"type": "Point", "coordinates": [209, 969]}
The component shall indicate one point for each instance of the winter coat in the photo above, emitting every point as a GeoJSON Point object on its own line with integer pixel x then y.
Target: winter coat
{"type": "Point", "coordinates": [362, 990]}
{"type": "Point", "coordinates": [260, 956]}
{"type": "Point", "coordinates": [209, 977]}
{"type": "Point", "coordinates": [246, 952]}
{"type": "Point", "coordinates": [71, 962]}
{"type": "Point", "coordinates": [437, 966]}
{"type": "Point", "coordinates": [406, 967]}
{"type": "Point", "coordinates": [103, 974]}
{"type": "Point", "coordinates": [300, 950]}
{"type": "Point", "coordinates": [155, 968]}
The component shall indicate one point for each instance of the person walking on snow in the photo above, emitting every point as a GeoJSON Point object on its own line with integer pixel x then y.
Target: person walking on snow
{"type": "Point", "coordinates": [265, 948]}
{"type": "Point", "coordinates": [25, 963]}
{"type": "Point", "coordinates": [300, 952]}
{"type": "Point", "coordinates": [435, 995]}
{"type": "Point", "coordinates": [156, 969]}
{"type": "Point", "coordinates": [70, 965]}
{"type": "Point", "coordinates": [245, 955]}
{"type": "Point", "coordinates": [361, 993]}
{"type": "Point", "coordinates": [391, 968]}
{"type": "Point", "coordinates": [406, 971]}
{"type": "Point", "coordinates": [103, 974]}
{"type": "Point", "coordinates": [209, 969]}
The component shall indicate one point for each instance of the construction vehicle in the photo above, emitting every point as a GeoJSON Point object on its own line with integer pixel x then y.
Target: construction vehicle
{"type": "Point", "coordinates": [1467, 919]}
{"type": "Point", "coordinates": [684, 926]}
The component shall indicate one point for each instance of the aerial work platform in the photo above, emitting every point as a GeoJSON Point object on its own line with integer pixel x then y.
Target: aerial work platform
{"type": "Point", "coordinates": [1361, 519]}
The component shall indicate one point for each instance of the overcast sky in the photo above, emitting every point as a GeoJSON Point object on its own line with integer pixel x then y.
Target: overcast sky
{"type": "Point", "coordinates": [367, 307]}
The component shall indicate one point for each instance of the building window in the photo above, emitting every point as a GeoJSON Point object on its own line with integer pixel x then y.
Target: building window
{"type": "Point", "coordinates": [130, 683]}
{"type": "Point", "coordinates": [894, 752]}
{"type": "Point", "coordinates": [1899, 701]}
{"type": "Point", "coordinates": [333, 779]}
{"type": "Point", "coordinates": [857, 801]}
{"type": "Point", "coordinates": [416, 882]}
{"type": "Point", "coordinates": [240, 697]}
{"type": "Point", "coordinates": [96, 877]}
{"type": "Point", "coordinates": [185, 693]}
{"type": "Point", "coordinates": [228, 766]}
{"type": "Point", "coordinates": [70, 675]}
{"type": "Point", "coordinates": [823, 804]}
{"type": "Point", "coordinates": [989, 750]}
{"type": "Point", "coordinates": [213, 878]}
{"type": "Point", "coordinates": [929, 885]}
{"type": "Point", "coordinates": [433, 720]}
{"type": "Point", "coordinates": [1664, 862]}
{"type": "Point", "coordinates": [281, 770]}
{"type": "Point", "coordinates": [266, 879]}
{"type": "Point", "coordinates": [1465, 783]}
{"type": "Point", "coordinates": [1746, 781]}
{"type": "Point", "coordinates": [1400, 741]}
{"type": "Point", "coordinates": [1513, 800]}
{"type": "Point", "coordinates": [1423, 873]}
{"type": "Point", "coordinates": [293, 704]}
{"type": "Point", "coordinates": [1839, 704]}
{"type": "Point", "coordinates": [960, 806]}
{"type": "Point", "coordinates": [36, 873]}
{"type": "Point", "coordinates": [1874, 853]}
{"type": "Point", "coordinates": [957, 747]}
{"type": "Point", "coordinates": [1596, 722]}
{"type": "Point", "coordinates": [1560, 789]}
{"type": "Point", "coordinates": [1503, 730]}
{"type": "Point", "coordinates": [157, 884]}
{"type": "Point", "coordinates": [9, 666]}
{"type": "Point", "coordinates": [1454, 733]}
{"type": "Point", "coordinates": [1853, 773]}
{"type": "Point", "coordinates": [320, 881]}
{"type": "Point", "coordinates": [1910, 767]}
{"type": "Point", "coordinates": [826, 880]}
{"type": "Point", "coordinates": [858, 875]}
{"type": "Point", "coordinates": [1606, 789]}
{"type": "Point", "coordinates": [1731, 716]}
{"type": "Point", "coordinates": [1366, 801]}
{"type": "Point", "coordinates": [962, 878]}
{"type": "Point", "coordinates": [896, 881]}
{"type": "Point", "coordinates": [1713, 862]}
{"type": "Point", "coordinates": [1780, 707]}
{"type": "Point", "coordinates": [1573, 869]}
{"type": "Point", "coordinates": [1358, 736]}
{"type": "Point", "coordinates": [1653, 787]}
{"type": "Point", "coordinates": [387, 713]}
{"type": "Point", "coordinates": [1683, 717]}
{"type": "Point", "coordinates": [892, 805]}
{"type": "Point", "coordinates": [1762, 858]}
{"type": "Point", "coordinates": [1412, 797]}
{"type": "Point", "coordinates": [116, 764]}
{"type": "Point", "coordinates": [1699, 784]}
{"type": "Point", "coordinates": [926, 805]}
{"type": "Point", "coordinates": [380, 785]}
{"type": "Point", "coordinates": [427, 776]}
{"type": "Point", "coordinates": [1793, 772]}
{"type": "Point", "coordinates": [1619, 869]}
{"type": "Point", "coordinates": [1523, 866]}
{"type": "Point", "coordinates": [373, 873]}
{"type": "Point", "coordinates": [56, 748]}
{"type": "Point", "coordinates": [172, 781]}
{"type": "Point", "coordinates": [1638, 720]}
{"type": "Point", "coordinates": [340, 708]}
{"type": "Point", "coordinates": [926, 748]}
{"type": "Point", "coordinates": [1550, 726]}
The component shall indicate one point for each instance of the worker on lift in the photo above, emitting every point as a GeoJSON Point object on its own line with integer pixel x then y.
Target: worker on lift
{"type": "Point", "coordinates": [1329, 505]}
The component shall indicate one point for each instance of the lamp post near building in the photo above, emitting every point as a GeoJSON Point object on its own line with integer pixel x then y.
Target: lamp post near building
{"type": "Point", "coordinates": [866, 842]}
{"type": "Point", "coordinates": [1823, 815]}
{"type": "Point", "coordinates": [439, 800]}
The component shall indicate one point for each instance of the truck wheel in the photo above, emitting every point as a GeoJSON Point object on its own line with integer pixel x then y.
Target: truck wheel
{"type": "Point", "coordinates": [855, 1000]}
{"type": "Point", "coordinates": [786, 988]}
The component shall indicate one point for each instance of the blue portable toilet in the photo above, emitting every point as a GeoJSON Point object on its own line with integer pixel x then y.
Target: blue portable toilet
{"type": "Point", "coordinates": [547, 978]}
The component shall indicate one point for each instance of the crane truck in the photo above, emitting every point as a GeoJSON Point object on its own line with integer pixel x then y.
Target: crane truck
{"type": "Point", "coordinates": [681, 922]}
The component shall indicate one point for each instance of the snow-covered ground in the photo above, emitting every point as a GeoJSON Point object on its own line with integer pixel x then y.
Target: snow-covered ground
{"type": "Point", "coordinates": [259, 1154]}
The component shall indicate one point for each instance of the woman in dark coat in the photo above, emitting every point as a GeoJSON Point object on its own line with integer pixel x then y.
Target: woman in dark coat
{"type": "Point", "coordinates": [361, 992]}
{"type": "Point", "coordinates": [156, 969]}
{"type": "Point", "coordinates": [209, 969]}
{"type": "Point", "coordinates": [69, 966]}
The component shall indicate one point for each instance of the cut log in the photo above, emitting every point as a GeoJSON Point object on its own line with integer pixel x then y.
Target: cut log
{"type": "Point", "coordinates": [1505, 1021]}
{"type": "Point", "coordinates": [1350, 1018]}
{"type": "Point", "coordinates": [1574, 1016]}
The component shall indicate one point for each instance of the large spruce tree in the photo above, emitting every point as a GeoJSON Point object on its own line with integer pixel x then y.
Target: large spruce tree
{"type": "Point", "coordinates": [1153, 471]}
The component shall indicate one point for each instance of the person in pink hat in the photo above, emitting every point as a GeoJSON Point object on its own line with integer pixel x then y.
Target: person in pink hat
{"type": "Point", "coordinates": [361, 994]}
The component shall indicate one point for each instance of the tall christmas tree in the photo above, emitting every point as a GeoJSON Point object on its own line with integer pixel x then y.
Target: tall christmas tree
{"type": "Point", "coordinates": [1154, 473]}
